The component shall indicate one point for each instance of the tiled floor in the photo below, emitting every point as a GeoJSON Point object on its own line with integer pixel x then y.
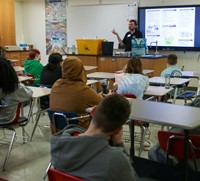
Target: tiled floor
{"type": "Point", "coordinates": [28, 161]}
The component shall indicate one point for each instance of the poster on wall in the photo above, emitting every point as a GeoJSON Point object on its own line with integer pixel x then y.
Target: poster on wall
{"type": "Point", "coordinates": [56, 26]}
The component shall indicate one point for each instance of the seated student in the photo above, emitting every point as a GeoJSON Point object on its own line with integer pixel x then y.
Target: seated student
{"type": "Point", "coordinates": [89, 155]}
{"type": "Point", "coordinates": [133, 81]}
{"type": "Point", "coordinates": [50, 73]}
{"type": "Point", "coordinates": [171, 65]}
{"type": "Point", "coordinates": [33, 65]}
{"type": "Point", "coordinates": [11, 91]}
{"type": "Point", "coordinates": [70, 93]}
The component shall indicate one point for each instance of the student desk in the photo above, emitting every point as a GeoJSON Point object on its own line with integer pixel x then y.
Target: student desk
{"type": "Point", "coordinates": [92, 83]}
{"type": "Point", "coordinates": [24, 78]}
{"type": "Point", "coordinates": [173, 81]}
{"type": "Point", "coordinates": [90, 68]}
{"type": "Point", "coordinates": [101, 75]}
{"type": "Point", "coordinates": [37, 93]}
{"type": "Point", "coordinates": [193, 75]}
{"type": "Point", "coordinates": [18, 68]}
{"type": "Point", "coordinates": [157, 91]}
{"type": "Point", "coordinates": [145, 71]}
{"type": "Point", "coordinates": [179, 116]}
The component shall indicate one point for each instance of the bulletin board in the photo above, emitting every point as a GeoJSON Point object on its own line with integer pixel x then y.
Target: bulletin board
{"type": "Point", "coordinates": [98, 21]}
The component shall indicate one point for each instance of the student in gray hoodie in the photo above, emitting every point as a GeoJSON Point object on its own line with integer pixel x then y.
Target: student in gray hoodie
{"type": "Point", "coordinates": [90, 155]}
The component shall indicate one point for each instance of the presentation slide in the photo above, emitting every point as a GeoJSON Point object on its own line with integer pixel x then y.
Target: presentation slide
{"type": "Point", "coordinates": [170, 26]}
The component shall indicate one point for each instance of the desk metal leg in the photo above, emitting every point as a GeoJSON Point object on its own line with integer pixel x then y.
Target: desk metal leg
{"type": "Point", "coordinates": [132, 130]}
{"type": "Point", "coordinates": [186, 152]}
{"type": "Point", "coordinates": [36, 123]}
{"type": "Point", "coordinates": [175, 95]}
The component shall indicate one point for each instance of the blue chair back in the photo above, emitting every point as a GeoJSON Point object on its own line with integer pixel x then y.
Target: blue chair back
{"type": "Point", "coordinates": [61, 119]}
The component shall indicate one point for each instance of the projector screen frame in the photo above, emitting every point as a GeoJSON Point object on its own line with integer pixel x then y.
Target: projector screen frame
{"type": "Point", "coordinates": [171, 48]}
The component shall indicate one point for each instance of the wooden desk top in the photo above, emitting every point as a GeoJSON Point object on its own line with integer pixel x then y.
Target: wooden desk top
{"type": "Point", "coordinates": [184, 117]}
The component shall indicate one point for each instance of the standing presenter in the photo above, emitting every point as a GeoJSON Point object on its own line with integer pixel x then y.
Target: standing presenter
{"type": "Point", "coordinates": [132, 33]}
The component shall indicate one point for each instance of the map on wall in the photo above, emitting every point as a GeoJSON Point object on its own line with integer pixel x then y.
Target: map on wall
{"type": "Point", "coordinates": [56, 26]}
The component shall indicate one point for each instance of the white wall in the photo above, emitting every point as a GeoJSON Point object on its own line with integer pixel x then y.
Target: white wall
{"type": "Point", "coordinates": [31, 20]}
{"type": "Point", "coordinates": [19, 22]}
{"type": "Point", "coordinates": [32, 24]}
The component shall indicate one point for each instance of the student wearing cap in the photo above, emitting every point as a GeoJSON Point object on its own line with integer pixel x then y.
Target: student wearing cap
{"type": "Point", "coordinates": [33, 66]}
{"type": "Point", "coordinates": [52, 71]}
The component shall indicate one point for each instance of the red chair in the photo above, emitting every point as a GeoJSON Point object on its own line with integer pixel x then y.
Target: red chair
{"type": "Point", "coordinates": [143, 126]}
{"type": "Point", "coordinates": [17, 121]}
{"type": "Point", "coordinates": [56, 175]}
{"type": "Point", "coordinates": [173, 144]}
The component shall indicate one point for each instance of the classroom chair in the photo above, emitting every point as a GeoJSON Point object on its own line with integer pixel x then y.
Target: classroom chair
{"type": "Point", "coordinates": [60, 119]}
{"type": "Point", "coordinates": [56, 175]}
{"type": "Point", "coordinates": [173, 144]}
{"type": "Point", "coordinates": [143, 127]}
{"type": "Point", "coordinates": [18, 121]}
{"type": "Point", "coordinates": [186, 95]}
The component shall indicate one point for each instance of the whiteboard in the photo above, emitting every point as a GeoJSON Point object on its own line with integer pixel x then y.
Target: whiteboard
{"type": "Point", "coordinates": [98, 21]}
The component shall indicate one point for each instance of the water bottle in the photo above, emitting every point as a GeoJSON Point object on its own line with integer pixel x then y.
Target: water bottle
{"type": "Point", "coordinates": [147, 50]}
{"type": "Point", "coordinates": [167, 81]}
{"type": "Point", "coordinates": [73, 49]}
{"type": "Point", "coordinates": [104, 86]}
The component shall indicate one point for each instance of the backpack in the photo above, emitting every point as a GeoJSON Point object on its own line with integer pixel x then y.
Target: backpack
{"type": "Point", "coordinates": [196, 102]}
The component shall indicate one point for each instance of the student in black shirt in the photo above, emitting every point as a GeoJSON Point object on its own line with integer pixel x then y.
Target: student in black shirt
{"type": "Point", "coordinates": [50, 73]}
{"type": "Point", "coordinates": [133, 33]}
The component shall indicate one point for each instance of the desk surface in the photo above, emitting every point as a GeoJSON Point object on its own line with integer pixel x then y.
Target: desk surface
{"type": "Point", "coordinates": [90, 82]}
{"type": "Point", "coordinates": [18, 68]}
{"type": "Point", "coordinates": [145, 71]}
{"type": "Point", "coordinates": [39, 91]}
{"type": "Point", "coordinates": [101, 75]}
{"type": "Point", "coordinates": [191, 74]}
{"type": "Point", "coordinates": [90, 68]}
{"type": "Point", "coordinates": [24, 78]}
{"type": "Point", "coordinates": [173, 81]}
{"type": "Point", "coordinates": [165, 114]}
{"type": "Point", "coordinates": [157, 91]}
{"type": "Point", "coordinates": [13, 60]}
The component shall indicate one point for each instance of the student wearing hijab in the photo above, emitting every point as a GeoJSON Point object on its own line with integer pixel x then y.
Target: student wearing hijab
{"type": "Point", "coordinates": [70, 93]}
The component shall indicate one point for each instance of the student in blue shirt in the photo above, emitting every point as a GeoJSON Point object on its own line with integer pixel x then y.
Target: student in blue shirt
{"type": "Point", "coordinates": [171, 65]}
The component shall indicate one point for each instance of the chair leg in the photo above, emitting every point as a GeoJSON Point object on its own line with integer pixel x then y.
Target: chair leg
{"type": "Point", "coordinates": [9, 149]}
{"type": "Point", "coordinates": [35, 126]}
{"type": "Point", "coordinates": [143, 131]}
{"type": "Point", "coordinates": [24, 134]}
{"type": "Point", "coordinates": [46, 172]}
